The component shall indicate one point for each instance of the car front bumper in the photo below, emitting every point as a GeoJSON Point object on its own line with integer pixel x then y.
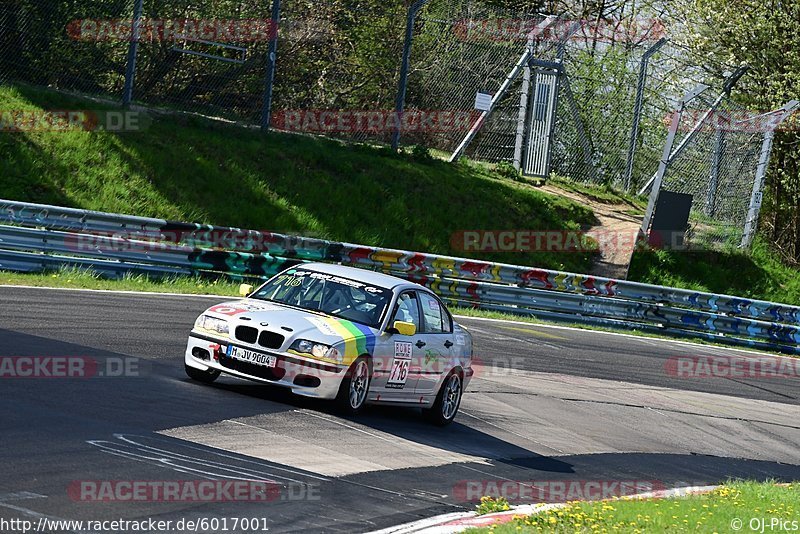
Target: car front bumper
{"type": "Point", "coordinates": [303, 376]}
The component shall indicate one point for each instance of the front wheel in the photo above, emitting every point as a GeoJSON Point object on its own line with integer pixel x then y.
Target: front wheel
{"type": "Point", "coordinates": [355, 386]}
{"type": "Point", "coordinates": [448, 400]}
{"type": "Point", "coordinates": [206, 377]}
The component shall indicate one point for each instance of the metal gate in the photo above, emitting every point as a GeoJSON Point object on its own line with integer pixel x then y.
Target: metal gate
{"type": "Point", "coordinates": [541, 122]}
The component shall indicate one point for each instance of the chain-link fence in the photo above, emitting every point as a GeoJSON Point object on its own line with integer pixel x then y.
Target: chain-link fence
{"type": "Point", "coordinates": [42, 43]}
{"type": "Point", "coordinates": [718, 159]}
{"type": "Point", "coordinates": [610, 77]}
{"type": "Point", "coordinates": [461, 49]}
{"type": "Point", "coordinates": [338, 69]}
{"type": "Point", "coordinates": [601, 78]}
{"type": "Point", "coordinates": [585, 99]}
{"type": "Point", "coordinates": [668, 73]}
{"type": "Point", "coordinates": [715, 163]}
{"type": "Point", "coordinates": [205, 56]}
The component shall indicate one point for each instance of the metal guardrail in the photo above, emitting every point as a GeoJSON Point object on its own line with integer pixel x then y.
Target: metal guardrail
{"type": "Point", "coordinates": [37, 237]}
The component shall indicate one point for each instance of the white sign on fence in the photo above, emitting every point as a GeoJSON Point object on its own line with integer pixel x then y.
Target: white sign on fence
{"type": "Point", "coordinates": [483, 101]}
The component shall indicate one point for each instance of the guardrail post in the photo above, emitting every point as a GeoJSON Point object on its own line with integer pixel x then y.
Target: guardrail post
{"type": "Point", "coordinates": [133, 51]}
{"type": "Point", "coordinates": [272, 57]}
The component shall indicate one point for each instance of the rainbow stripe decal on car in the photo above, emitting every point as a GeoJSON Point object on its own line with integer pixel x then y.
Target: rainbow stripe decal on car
{"type": "Point", "coordinates": [358, 339]}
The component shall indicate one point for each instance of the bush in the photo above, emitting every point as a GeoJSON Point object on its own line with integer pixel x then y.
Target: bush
{"type": "Point", "coordinates": [508, 171]}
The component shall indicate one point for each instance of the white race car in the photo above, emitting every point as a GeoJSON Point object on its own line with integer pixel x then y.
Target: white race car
{"type": "Point", "coordinates": [341, 333]}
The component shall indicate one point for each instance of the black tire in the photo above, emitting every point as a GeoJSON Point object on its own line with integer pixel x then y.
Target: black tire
{"type": "Point", "coordinates": [448, 401]}
{"type": "Point", "coordinates": [354, 389]}
{"type": "Point", "coordinates": [206, 377]}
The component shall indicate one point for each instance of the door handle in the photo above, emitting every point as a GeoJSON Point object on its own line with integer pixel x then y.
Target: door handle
{"type": "Point", "coordinates": [448, 344]}
{"type": "Point", "coordinates": [421, 344]}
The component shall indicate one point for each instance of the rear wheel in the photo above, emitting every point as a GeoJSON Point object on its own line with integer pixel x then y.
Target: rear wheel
{"type": "Point", "coordinates": [206, 377]}
{"type": "Point", "coordinates": [448, 400]}
{"type": "Point", "coordinates": [355, 386]}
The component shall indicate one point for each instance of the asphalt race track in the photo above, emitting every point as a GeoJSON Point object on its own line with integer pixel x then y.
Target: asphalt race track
{"type": "Point", "coordinates": [547, 404]}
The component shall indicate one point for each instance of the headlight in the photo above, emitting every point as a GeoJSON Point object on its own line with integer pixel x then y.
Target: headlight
{"type": "Point", "coordinates": [318, 350]}
{"type": "Point", "coordinates": [207, 322]}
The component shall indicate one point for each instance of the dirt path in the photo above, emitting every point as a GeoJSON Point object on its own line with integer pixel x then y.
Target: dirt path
{"type": "Point", "coordinates": [616, 232]}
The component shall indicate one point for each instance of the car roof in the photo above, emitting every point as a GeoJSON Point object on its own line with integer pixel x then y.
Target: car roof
{"type": "Point", "coordinates": [361, 275]}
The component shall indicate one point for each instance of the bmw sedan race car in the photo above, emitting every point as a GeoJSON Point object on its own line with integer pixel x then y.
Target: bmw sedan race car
{"type": "Point", "coordinates": [339, 333]}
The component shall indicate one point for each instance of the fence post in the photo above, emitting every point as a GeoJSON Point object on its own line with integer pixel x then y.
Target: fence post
{"type": "Point", "coordinates": [525, 95]}
{"type": "Point", "coordinates": [404, 67]}
{"type": "Point", "coordinates": [133, 51]}
{"type": "Point", "coordinates": [266, 110]}
{"type": "Point", "coordinates": [637, 108]}
{"type": "Point", "coordinates": [761, 173]}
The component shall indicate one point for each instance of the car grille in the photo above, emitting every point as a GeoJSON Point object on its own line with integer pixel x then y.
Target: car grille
{"type": "Point", "coordinates": [270, 340]}
{"type": "Point", "coordinates": [248, 334]}
{"type": "Point", "coordinates": [259, 371]}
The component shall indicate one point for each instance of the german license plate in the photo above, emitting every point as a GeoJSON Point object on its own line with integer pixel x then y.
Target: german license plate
{"type": "Point", "coordinates": [250, 356]}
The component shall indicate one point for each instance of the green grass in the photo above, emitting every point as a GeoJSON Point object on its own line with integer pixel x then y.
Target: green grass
{"type": "Point", "coordinates": [191, 169]}
{"type": "Point", "coordinates": [758, 275]}
{"type": "Point", "coordinates": [604, 194]}
{"type": "Point", "coordinates": [718, 511]}
{"type": "Point", "coordinates": [82, 279]}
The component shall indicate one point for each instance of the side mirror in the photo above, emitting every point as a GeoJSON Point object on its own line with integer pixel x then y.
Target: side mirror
{"type": "Point", "coordinates": [403, 328]}
{"type": "Point", "coordinates": [245, 290]}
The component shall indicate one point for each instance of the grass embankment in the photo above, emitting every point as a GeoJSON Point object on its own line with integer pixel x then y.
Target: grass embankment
{"type": "Point", "coordinates": [194, 170]}
{"type": "Point", "coordinates": [758, 275]}
{"type": "Point", "coordinates": [727, 509]}
{"type": "Point", "coordinates": [190, 169]}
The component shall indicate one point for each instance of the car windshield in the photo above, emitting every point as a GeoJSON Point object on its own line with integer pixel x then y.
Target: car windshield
{"type": "Point", "coordinates": [329, 294]}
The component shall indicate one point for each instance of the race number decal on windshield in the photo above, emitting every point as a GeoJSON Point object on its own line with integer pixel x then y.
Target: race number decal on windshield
{"type": "Point", "coordinates": [402, 361]}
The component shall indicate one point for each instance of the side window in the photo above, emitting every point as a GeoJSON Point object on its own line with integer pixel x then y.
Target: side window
{"type": "Point", "coordinates": [407, 309]}
{"type": "Point", "coordinates": [437, 320]}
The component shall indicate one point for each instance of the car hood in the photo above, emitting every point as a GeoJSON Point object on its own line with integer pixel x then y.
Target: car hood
{"type": "Point", "coordinates": [352, 339]}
